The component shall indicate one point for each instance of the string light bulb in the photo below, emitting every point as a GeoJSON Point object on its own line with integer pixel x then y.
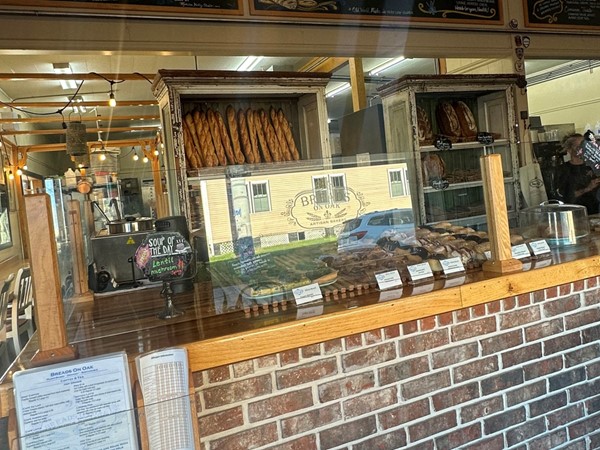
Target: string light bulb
{"type": "Point", "coordinates": [19, 171]}
{"type": "Point", "coordinates": [25, 167]}
{"type": "Point", "coordinates": [102, 157]}
{"type": "Point", "coordinates": [10, 175]}
{"type": "Point", "coordinates": [112, 101]}
{"type": "Point", "coordinates": [145, 159]}
{"type": "Point", "coordinates": [135, 154]}
{"type": "Point", "coordinates": [156, 152]}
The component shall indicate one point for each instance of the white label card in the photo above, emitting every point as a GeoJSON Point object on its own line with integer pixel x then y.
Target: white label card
{"type": "Point", "coordinates": [420, 271]}
{"type": "Point", "coordinates": [391, 294]}
{"type": "Point", "coordinates": [539, 247]}
{"type": "Point", "coordinates": [307, 294]}
{"type": "Point", "coordinates": [488, 254]}
{"type": "Point", "coordinates": [309, 311]}
{"type": "Point", "coordinates": [387, 280]}
{"type": "Point", "coordinates": [452, 265]}
{"type": "Point", "coordinates": [520, 251]}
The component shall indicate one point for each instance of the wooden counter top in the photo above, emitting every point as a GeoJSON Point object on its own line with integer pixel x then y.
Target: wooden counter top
{"type": "Point", "coordinates": [127, 320]}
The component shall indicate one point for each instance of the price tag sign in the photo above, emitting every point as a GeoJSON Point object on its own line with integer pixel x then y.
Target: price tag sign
{"type": "Point", "coordinates": [420, 271]}
{"type": "Point", "coordinates": [520, 251]}
{"type": "Point", "coordinates": [309, 311]}
{"type": "Point", "coordinates": [539, 247]}
{"type": "Point", "coordinates": [422, 289]}
{"type": "Point", "coordinates": [307, 294]}
{"type": "Point", "coordinates": [454, 281]}
{"type": "Point", "coordinates": [391, 294]}
{"type": "Point", "coordinates": [387, 280]}
{"type": "Point", "coordinates": [452, 265]}
{"type": "Point", "coordinates": [488, 254]}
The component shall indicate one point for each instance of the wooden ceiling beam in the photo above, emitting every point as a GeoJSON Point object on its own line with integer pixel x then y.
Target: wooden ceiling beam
{"type": "Point", "coordinates": [87, 104]}
{"type": "Point", "coordinates": [83, 118]}
{"type": "Point", "coordinates": [148, 77]}
{"type": "Point", "coordinates": [89, 130]}
{"type": "Point", "coordinates": [62, 147]}
{"type": "Point", "coordinates": [323, 64]}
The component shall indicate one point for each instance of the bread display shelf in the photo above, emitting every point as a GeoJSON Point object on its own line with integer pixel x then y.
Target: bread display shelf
{"type": "Point", "coordinates": [214, 119]}
{"type": "Point", "coordinates": [419, 109]}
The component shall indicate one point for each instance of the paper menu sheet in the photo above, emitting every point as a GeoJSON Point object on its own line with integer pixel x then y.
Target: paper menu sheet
{"type": "Point", "coordinates": [164, 381]}
{"type": "Point", "coordinates": [80, 404]}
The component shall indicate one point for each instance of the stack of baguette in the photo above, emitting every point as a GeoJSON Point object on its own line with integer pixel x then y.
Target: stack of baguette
{"type": "Point", "coordinates": [237, 137]}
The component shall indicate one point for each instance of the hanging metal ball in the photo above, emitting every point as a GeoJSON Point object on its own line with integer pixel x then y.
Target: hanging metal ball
{"type": "Point", "coordinates": [76, 139]}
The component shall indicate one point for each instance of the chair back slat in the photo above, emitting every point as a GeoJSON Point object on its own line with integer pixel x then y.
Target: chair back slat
{"type": "Point", "coordinates": [4, 299]}
{"type": "Point", "coordinates": [23, 290]}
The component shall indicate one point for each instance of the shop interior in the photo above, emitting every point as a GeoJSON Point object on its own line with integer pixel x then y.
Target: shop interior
{"type": "Point", "coordinates": [38, 109]}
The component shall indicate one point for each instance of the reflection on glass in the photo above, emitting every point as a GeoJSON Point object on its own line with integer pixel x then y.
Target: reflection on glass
{"type": "Point", "coordinates": [5, 234]}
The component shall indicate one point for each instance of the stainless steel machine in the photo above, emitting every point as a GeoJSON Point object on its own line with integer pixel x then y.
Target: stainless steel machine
{"type": "Point", "coordinates": [113, 261]}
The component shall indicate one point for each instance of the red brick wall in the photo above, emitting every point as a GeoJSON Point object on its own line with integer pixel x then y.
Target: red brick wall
{"type": "Point", "coordinates": [522, 372]}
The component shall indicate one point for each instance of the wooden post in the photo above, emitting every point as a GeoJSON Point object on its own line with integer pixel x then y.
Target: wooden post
{"type": "Point", "coordinates": [48, 305]}
{"type": "Point", "coordinates": [357, 80]}
{"type": "Point", "coordinates": [161, 201]}
{"type": "Point", "coordinates": [497, 217]}
{"type": "Point", "coordinates": [80, 268]}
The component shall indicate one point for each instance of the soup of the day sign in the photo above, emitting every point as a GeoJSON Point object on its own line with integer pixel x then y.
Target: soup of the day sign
{"type": "Point", "coordinates": [163, 255]}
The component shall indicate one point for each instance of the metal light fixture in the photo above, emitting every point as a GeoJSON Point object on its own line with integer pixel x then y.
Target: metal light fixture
{"type": "Point", "coordinates": [64, 68]}
{"type": "Point", "coordinates": [386, 65]}
{"type": "Point", "coordinates": [249, 63]}
{"type": "Point", "coordinates": [338, 90]}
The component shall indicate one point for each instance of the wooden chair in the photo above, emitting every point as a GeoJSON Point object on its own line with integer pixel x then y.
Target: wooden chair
{"type": "Point", "coordinates": [21, 319]}
{"type": "Point", "coordinates": [4, 300]}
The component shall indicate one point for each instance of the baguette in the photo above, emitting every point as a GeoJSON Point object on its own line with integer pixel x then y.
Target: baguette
{"type": "Point", "coordinates": [189, 121]}
{"type": "Point", "coordinates": [264, 149]}
{"type": "Point", "coordinates": [188, 146]}
{"type": "Point", "coordinates": [245, 138]}
{"type": "Point", "coordinates": [225, 140]}
{"type": "Point", "coordinates": [215, 135]}
{"type": "Point", "coordinates": [287, 132]}
{"type": "Point", "coordinates": [205, 152]}
{"type": "Point", "coordinates": [270, 136]}
{"type": "Point", "coordinates": [235, 135]}
{"type": "Point", "coordinates": [253, 135]}
{"type": "Point", "coordinates": [283, 145]}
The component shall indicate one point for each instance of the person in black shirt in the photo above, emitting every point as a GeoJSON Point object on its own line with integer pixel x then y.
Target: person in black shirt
{"type": "Point", "coordinates": [577, 183]}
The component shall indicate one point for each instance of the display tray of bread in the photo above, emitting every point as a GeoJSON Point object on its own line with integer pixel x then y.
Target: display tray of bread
{"type": "Point", "coordinates": [220, 135]}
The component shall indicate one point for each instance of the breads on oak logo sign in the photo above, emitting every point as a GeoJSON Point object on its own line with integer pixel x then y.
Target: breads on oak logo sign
{"type": "Point", "coordinates": [305, 211]}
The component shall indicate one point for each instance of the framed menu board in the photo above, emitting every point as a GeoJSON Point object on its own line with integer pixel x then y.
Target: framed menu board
{"type": "Point", "coordinates": [139, 7]}
{"type": "Point", "coordinates": [562, 13]}
{"type": "Point", "coordinates": [438, 11]}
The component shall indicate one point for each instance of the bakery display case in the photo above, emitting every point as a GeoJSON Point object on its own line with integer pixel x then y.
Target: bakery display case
{"type": "Point", "coordinates": [214, 120]}
{"type": "Point", "coordinates": [443, 125]}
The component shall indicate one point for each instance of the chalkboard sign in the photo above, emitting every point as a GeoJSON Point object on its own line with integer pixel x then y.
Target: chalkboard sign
{"type": "Point", "coordinates": [590, 152]}
{"type": "Point", "coordinates": [457, 11]}
{"type": "Point", "coordinates": [562, 13]}
{"type": "Point", "coordinates": [163, 255]}
{"type": "Point", "coordinates": [143, 7]}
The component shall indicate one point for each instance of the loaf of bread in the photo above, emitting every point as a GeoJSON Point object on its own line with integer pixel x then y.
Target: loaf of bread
{"type": "Point", "coordinates": [447, 120]}
{"type": "Point", "coordinates": [207, 149]}
{"type": "Point", "coordinates": [466, 120]}
{"type": "Point", "coordinates": [215, 134]}
{"type": "Point", "coordinates": [245, 144]}
{"type": "Point", "coordinates": [252, 131]}
{"type": "Point", "coordinates": [287, 133]}
{"type": "Point", "coordinates": [225, 139]}
{"type": "Point", "coordinates": [433, 167]}
{"type": "Point", "coordinates": [188, 145]}
{"type": "Point", "coordinates": [270, 137]}
{"type": "Point", "coordinates": [193, 137]}
{"type": "Point", "coordinates": [425, 131]}
{"type": "Point", "coordinates": [235, 135]}
{"type": "Point", "coordinates": [283, 145]}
